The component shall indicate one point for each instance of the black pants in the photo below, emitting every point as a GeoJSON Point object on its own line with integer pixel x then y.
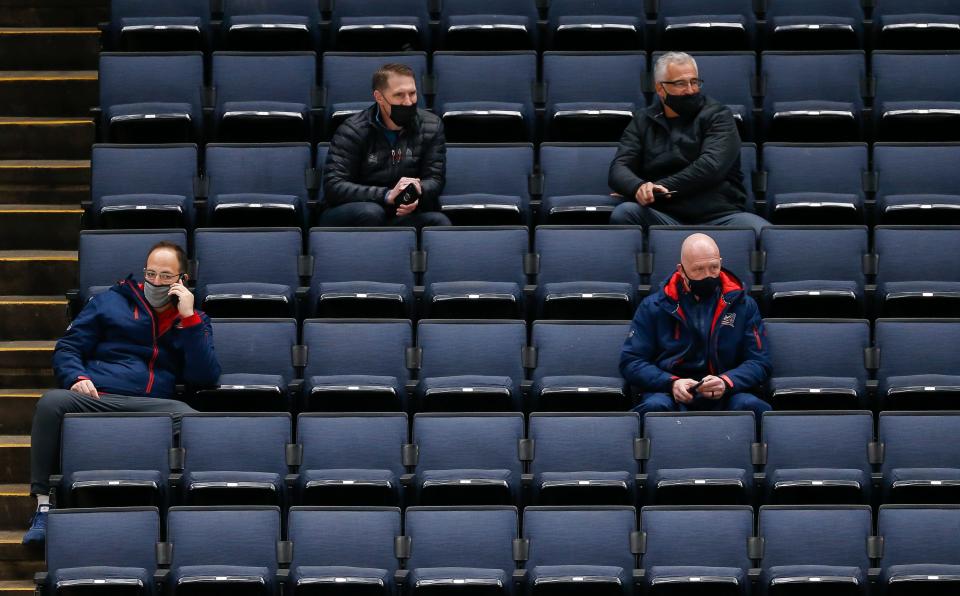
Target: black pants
{"type": "Point", "coordinates": [373, 215]}
{"type": "Point", "coordinates": [48, 418]}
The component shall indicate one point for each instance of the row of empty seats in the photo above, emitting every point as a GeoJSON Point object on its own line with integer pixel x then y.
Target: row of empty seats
{"type": "Point", "coordinates": [564, 458]}
{"type": "Point", "coordinates": [158, 186]}
{"type": "Point", "coordinates": [498, 97]}
{"type": "Point", "coordinates": [512, 24]}
{"type": "Point", "coordinates": [482, 550]}
{"type": "Point", "coordinates": [581, 272]}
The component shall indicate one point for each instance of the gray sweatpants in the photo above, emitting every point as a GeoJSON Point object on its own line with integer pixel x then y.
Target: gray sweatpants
{"type": "Point", "coordinates": [48, 417]}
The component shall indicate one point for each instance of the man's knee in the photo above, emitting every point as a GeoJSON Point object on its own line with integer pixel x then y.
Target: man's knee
{"type": "Point", "coordinates": [55, 402]}
{"type": "Point", "coordinates": [354, 214]}
{"type": "Point", "coordinates": [656, 402]}
{"type": "Point", "coordinates": [627, 214]}
{"type": "Point", "coordinates": [434, 218]}
{"type": "Point", "coordinates": [749, 403]}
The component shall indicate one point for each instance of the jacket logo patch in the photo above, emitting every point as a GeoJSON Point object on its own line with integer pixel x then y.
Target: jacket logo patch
{"type": "Point", "coordinates": [729, 319]}
{"type": "Point", "coordinates": [372, 158]}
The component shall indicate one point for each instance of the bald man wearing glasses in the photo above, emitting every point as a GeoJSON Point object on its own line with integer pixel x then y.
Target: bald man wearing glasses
{"type": "Point", "coordinates": [125, 352]}
{"type": "Point", "coordinates": [679, 160]}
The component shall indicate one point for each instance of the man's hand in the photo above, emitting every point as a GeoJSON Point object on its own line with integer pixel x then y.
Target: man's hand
{"type": "Point", "coordinates": [398, 188]}
{"type": "Point", "coordinates": [713, 387]}
{"type": "Point", "coordinates": [681, 393]}
{"type": "Point", "coordinates": [85, 387]}
{"type": "Point", "coordinates": [645, 192]}
{"type": "Point", "coordinates": [407, 209]}
{"type": "Point", "coordinates": [184, 299]}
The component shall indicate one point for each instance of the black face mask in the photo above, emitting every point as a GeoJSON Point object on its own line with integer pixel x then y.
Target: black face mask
{"type": "Point", "coordinates": [703, 288]}
{"type": "Point", "coordinates": [402, 115]}
{"type": "Point", "coordinates": [686, 106]}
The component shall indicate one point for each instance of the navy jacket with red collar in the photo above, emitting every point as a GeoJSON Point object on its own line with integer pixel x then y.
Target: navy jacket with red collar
{"type": "Point", "coordinates": [660, 339]}
{"type": "Point", "coordinates": [116, 343]}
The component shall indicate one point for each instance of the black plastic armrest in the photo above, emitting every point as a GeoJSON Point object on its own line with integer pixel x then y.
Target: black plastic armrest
{"type": "Point", "coordinates": [401, 576]}
{"type": "Point", "coordinates": [874, 574]}
{"type": "Point", "coordinates": [160, 575]}
{"type": "Point", "coordinates": [56, 480]}
{"type": "Point", "coordinates": [519, 576]}
{"type": "Point", "coordinates": [638, 575]}
{"type": "Point", "coordinates": [175, 479]}
{"type": "Point", "coordinates": [40, 578]}
{"type": "Point", "coordinates": [641, 480]}
{"type": "Point", "coordinates": [526, 480]}
{"type": "Point", "coordinates": [754, 573]}
{"type": "Point", "coordinates": [407, 479]}
{"type": "Point", "coordinates": [291, 480]}
{"type": "Point", "coordinates": [283, 575]}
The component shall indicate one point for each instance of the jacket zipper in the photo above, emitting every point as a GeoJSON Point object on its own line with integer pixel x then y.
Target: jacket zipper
{"type": "Point", "coordinates": [713, 336]}
{"type": "Point", "coordinates": [156, 349]}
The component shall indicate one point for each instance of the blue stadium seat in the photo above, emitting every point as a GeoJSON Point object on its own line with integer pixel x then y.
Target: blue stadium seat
{"type": "Point", "coordinates": [580, 549]}
{"type": "Point", "coordinates": [380, 25]}
{"type": "Point", "coordinates": [815, 184]}
{"type": "Point", "coordinates": [488, 184]}
{"type": "Point", "coordinates": [264, 97]}
{"type": "Point", "coordinates": [351, 459]}
{"type": "Point", "coordinates": [458, 549]}
{"type": "Point", "coordinates": [916, 95]}
{"type": "Point", "coordinates": [468, 459]}
{"type": "Point", "coordinates": [488, 25]}
{"type": "Point", "coordinates": [587, 272]}
{"type": "Point", "coordinates": [108, 256]}
{"type": "Point", "coordinates": [577, 366]}
{"type": "Point", "coordinates": [143, 186]}
{"type": "Point", "coordinates": [229, 549]}
{"type": "Point", "coordinates": [920, 464]}
{"type": "Point", "coordinates": [343, 550]}
{"type": "Point", "coordinates": [591, 96]}
{"type": "Point", "coordinates": [817, 457]}
{"type": "Point", "coordinates": [110, 460]}
{"type": "Point", "coordinates": [486, 96]}
{"type": "Point", "coordinates": [918, 368]}
{"type": "Point", "coordinates": [706, 25]}
{"type": "Point", "coordinates": [321, 158]}
{"type": "Point", "coordinates": [362, 272]}
{"type": "Point", "coordinates": [748, 167]}
{"type": "Point", "coordinates": [913, 279]}
{"type": "Point", "coordinates": [273, 25]}
{"type": "Point", "coordinates": [813, 96]}
{"type": "Point", "coordinates": [164, 25]}
{"type": "Point", "coordinates": [475, 272]}
{"type": "Point", "coordinates": [681, 472]}
{"type": "Point", "coordinates": [356, 365]}
{"type": "Point", "coordinates": [247, 272]}
{"type": "Point", "coordinates": [920, 549]}
{"type": "Point", "coordinates": [118, 554]}
{"type": "Point", "coordinates": [470, 365]}
{"type": "Point", "coordinates": [151, 98]}
{"type": "Point", "coordinates": [737, 246]}
{"type": "Point", "coordinates": [612, 25]}
{"type": "Point", "coordinates": [256, 358]}
{"type": "Point", "coordinates": [916, 24]}
{"type": "Point", "coordinates": [730, 79]}
{"type": "Point", "coordinates": [815, 550]}
{"type": "Point", "coordinates": [814, 271]}
{"type": "Point", "coordinates": [917, 184]}
{"type": "Point", "coordinates": [575, 188]}
{"type": "Point", "coordinates": [235, 459]}
{"type": "Point", "coordinates": [347, 82]}
{"type": "Point", "coordinates": [706, 546]}
{"type": "Point", "coordinates": [818, 364]}
{"type": "Point", "coordinates": [814, 24]}
{"type": "Point", "coordinates": [584, 459]}
{"type": "Point", "coordinates": [257, 185]}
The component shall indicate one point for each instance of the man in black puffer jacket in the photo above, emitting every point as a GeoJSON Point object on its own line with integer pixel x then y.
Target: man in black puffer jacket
{"type": "Point", "coordinates": [376, 154]}
{"type": "Point", "coordinates": [679, 160]}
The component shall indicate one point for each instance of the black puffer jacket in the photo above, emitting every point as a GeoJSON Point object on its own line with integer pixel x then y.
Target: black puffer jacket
{"type": "Point", "coordinates": [360, 164]}
{"type": "Point", "coordinates": [698, 159]}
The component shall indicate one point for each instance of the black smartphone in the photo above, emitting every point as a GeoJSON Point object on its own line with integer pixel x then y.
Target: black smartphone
{"type": "Point", "coordinates": [174, 299]}
{"type": "Point", "coordinates": [693, 388]}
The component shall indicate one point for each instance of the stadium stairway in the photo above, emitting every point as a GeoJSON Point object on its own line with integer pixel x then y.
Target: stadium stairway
{"type": "Point", "coordinates": [48, 81]}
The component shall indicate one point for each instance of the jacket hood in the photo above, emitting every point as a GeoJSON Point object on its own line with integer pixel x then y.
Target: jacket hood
{"type": "Point", "coordinates": [731, 288]}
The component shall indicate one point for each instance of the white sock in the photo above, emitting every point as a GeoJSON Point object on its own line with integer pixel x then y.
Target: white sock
{"type": "Point", "coordinates": [43, 501]}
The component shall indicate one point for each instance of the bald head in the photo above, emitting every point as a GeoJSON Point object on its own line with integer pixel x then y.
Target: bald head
{"type": "Point", "coordinates": [700, 257]}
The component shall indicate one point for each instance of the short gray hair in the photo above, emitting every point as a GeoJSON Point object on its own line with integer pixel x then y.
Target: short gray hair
{"type": "Point", "coordinates": [660, 68]}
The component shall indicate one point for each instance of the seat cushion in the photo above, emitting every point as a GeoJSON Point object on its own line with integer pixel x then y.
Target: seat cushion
{"type": "Point", "coordinates": [302, 575]}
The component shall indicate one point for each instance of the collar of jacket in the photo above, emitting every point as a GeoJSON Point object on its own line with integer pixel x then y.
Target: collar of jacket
{"type": "Point", "coordinates": [130, 289]}
{"type": "Point", "coordinates": [373, 116]}
{"type": "Point", "coordinates": [654, 112]}
{"type": "Point", "coordinates": [731, 288]}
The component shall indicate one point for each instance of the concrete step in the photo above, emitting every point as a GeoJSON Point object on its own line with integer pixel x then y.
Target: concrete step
{"type": "Point", "coordinates": [14, 459]}
{"type": "Point", "coordinates": [18, 562]}
{"type": "Point", "coordinates": [44, 181]}
{"type": "Point", "coordinates": [17, 406]}
{"type": "Point", "coordinates": [49, 48]}
{"type": "Point", "coordinates": [55, 227]}
{"type": "Point", "coordinates": [32, 317]}
{"type": "Point", "coordinates": [45, 138]}
{"type": "Point", "coordinates": [26, 354]}
{"type": "Point", "coordinates": [48, 92]}
{"type": "Point", "coordinates": [22, 587]}
{"type": "Point", "coordinates": [53, 13]}
{"type": "Point", "coordinates": [26, 378]}
{"type": "Point", "coordinates": [16, 506]}
{"type": "Point", "coordinates": [37, 272]}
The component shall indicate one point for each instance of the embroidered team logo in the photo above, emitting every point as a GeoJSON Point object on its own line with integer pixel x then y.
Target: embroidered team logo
{"type": "Point", "coordinates": [372, 158]}
{"type": "Point", "coordinates": [729, 319]}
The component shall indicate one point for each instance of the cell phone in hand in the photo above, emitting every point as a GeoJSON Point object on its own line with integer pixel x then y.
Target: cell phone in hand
{"type": "Point", "coordinates": [693, 388]}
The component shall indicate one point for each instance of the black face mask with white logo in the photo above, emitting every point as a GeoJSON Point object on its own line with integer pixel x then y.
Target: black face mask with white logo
{"type": "Point", "coordinates": [403, 116]}
{"type": "Point", "coordinates": [686, 106]}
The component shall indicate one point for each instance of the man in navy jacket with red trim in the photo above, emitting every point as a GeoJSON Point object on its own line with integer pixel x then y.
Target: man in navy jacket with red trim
{"type": "Point", "coordinates": [699, 342]}
{"type": "Point", "coordinates": [125, 352]}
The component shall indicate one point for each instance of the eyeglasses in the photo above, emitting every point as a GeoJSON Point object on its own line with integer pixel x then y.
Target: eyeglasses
{"type": "Point", "coordinates": [684, 85]}
{"type": "Point", "coordinates": [164, 277]}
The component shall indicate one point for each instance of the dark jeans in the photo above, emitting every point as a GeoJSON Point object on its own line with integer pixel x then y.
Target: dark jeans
{"type": "Point", "coordinates": [635, 214]}
{"type": "Point", "coordinates": [372, 215]}
{"type": "Point", "coordinates": [664, 402]}
{"type": "Point", "coordinates": [48, 417]}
